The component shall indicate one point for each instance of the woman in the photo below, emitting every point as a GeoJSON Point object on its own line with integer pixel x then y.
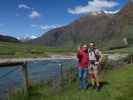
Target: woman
{"type": "Point", "coordinates": [83, 62]}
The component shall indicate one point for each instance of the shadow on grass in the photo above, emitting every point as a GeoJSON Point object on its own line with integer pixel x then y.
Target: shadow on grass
{"type": "Point", "coordinates": [103, 83]}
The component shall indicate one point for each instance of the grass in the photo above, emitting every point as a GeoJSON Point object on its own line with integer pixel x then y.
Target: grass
{"type": "Point", "coordinates": [18, 50]}
{"type": "Point", "coordinates": [128, 50]}
{"type": "Point", "coordinates": [118, 87]}
{"type": "Point", "coordinates": [21, 50]}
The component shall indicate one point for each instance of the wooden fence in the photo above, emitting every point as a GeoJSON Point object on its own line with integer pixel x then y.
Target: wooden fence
{"type": "Point", "coordinates": [24, 67]}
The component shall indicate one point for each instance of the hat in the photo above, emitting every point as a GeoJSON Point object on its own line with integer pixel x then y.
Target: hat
{"type": "Point", "coordinates": [92, 44]}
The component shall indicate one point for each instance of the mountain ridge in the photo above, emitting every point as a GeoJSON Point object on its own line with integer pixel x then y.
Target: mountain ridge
{"type": "Point", "coordinates": [102, 29]}
{"type": "Point", "coordinates": [5, 38]}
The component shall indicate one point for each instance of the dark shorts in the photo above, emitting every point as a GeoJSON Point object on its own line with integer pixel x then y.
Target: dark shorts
{"type": "Point", "coordinates": [92, 62]}
{"type": "Point", "coordinates": [93, 68]}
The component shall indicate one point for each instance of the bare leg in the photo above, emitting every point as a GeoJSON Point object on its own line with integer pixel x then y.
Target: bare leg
{"type": "Point", "coordinates": [92, 81]}
{"type": "Point", "coordinates": [97, 81]}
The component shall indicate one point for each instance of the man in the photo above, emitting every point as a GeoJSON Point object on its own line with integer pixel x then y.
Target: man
{"type": "Point", "coordinates": [94, 60]}
{"type": "Point", "coordinates": [82, 56]}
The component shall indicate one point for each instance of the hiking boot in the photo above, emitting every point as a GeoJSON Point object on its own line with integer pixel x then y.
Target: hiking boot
{"type": "Point", "coordinates": [93, 86]}
{"type": "Point", "coordinates": [88, 86]}
{"type": "Point", "coordinates": [98, 88]}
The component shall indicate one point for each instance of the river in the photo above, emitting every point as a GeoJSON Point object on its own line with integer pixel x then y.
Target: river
{"type": "Point", "coordinates": [11, 77]}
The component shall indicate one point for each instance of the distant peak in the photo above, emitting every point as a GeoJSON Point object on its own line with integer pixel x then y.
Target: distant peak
{"type": "Point", "coordinates": [4, 34]}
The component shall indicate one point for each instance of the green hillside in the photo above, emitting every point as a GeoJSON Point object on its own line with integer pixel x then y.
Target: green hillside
{"type": "Point", "coordinates": [8, 49]}
{"type": "Point", "coordinates": [117, 86]}
{"type": "Point", "coordinates": [6, 38]}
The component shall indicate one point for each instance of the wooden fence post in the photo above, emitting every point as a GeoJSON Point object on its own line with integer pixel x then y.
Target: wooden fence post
{"type": "Point", "coordinates": [61, 70]}
{"type": "Point", "coordinates": [131, 59]}
{"type": "Point", "coordinates": [25, 77]}
{"type": "Point", "coordinates": [61, 75]}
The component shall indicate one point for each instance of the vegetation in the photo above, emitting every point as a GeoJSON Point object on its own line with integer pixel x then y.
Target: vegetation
{"type": "Point", "coordinates": [8, 49]}
{"type": "Point", "coordinates": [117, 85]}
{"type": "Point", "coordinates": [127, 50]}
{"type": "Point", "coordinates": [20, 50]}
{"type": "Point", "coordinates": [5, 38]}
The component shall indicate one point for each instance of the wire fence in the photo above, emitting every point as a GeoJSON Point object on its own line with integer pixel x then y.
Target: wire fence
{"type": "Point", "coordinates": [8, 73]}
{"type": "Point", "coordinates": [11, 77]}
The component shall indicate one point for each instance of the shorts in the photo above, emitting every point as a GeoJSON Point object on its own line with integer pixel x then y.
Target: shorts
{"type": "Point", "coordinates": [93, 68]}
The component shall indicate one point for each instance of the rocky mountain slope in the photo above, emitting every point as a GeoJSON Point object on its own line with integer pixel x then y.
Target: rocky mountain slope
{"type": "Point", "coordinates": [104, 29]}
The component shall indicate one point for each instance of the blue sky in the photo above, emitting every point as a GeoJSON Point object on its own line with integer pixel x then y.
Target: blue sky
{"type": "Point", "coordinates": [22, 18]}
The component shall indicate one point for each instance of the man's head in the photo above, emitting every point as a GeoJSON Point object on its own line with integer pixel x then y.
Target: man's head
{"type": "Point", "coordinates": [92, 45]}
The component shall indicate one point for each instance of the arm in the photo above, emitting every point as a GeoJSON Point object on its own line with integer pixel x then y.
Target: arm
{"type": "Point", "coordinates": [79, 56]}
{"type": "Point", "coordinates": [98, 53]}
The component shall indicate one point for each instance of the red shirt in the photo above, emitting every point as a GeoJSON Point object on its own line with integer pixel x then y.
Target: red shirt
{"type": "Point", "coordinates": [83, 58]}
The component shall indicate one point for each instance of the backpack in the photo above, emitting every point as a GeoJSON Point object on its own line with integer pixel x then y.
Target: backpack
{"type": "Point", "coordinates": [97, 56]}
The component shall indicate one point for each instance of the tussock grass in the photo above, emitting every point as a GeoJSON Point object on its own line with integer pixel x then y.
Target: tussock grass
{"type": "Point", "coordinates": [19, 50]}
{"type": "Point", "coordinates": [117, 86]}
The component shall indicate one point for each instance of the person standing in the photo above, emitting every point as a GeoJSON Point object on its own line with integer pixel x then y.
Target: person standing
{"type": "Point", "coordinates": [94, 59]}
{"type": "Point", "coordinates": [83, 62]}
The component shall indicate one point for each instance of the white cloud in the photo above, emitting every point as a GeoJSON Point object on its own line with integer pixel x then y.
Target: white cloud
{"type": "Point", "coordinates": [34, 14]}
{"type": "Point", "coordinates": [112, 12]}
{"type": "Point", "coordinates": [93, 6]}
{"type": "Point", "coordinates": [27, 37]}
{"type": "Point", "coordinates": [33, 37]}
{"type": "Point", "coordinates": [46, 27]}
{"type": "Point", "coordinates": [24, 6]}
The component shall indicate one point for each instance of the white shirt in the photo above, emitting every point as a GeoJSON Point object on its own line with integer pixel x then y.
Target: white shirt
{"type": "Point", "coordinates": [92, 55]}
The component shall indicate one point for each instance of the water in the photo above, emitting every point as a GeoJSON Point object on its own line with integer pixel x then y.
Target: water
{"type": "Point", "coordinates": [11, 77]}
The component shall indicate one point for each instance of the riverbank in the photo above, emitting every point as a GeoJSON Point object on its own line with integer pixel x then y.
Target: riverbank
{"type": "Point", "coordinates": [115, 60]}
{"type": "Point", "coordinates": [54, 57]}
{"type": "Point", "coordinates": [117, 85]}
{"type": "Point", "coordinates": [23, 50]}
{"type": "Point", "coordinates": [11, 77]}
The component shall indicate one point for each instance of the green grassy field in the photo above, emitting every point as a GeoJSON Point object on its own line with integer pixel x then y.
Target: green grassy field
{"type": "Point", "coordinates": [19, 50]}
{"type": "Point", "coordinates": [128, 50]}
{"type": "Point", "coordinates": [26, 50]}
{"type": "Point", "coordinates": [119, 86]}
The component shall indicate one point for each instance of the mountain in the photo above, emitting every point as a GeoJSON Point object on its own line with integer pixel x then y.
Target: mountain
{"type": "Point", "coordinates": [104, 29]}
{"type": "Point", "coordinates": [4, 38]}
{"type": "Point", "coordinates": [26, 38]}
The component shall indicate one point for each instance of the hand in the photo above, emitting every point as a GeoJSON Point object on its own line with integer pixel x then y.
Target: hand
{"type": "Point", "coordinates": [97, 63]}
